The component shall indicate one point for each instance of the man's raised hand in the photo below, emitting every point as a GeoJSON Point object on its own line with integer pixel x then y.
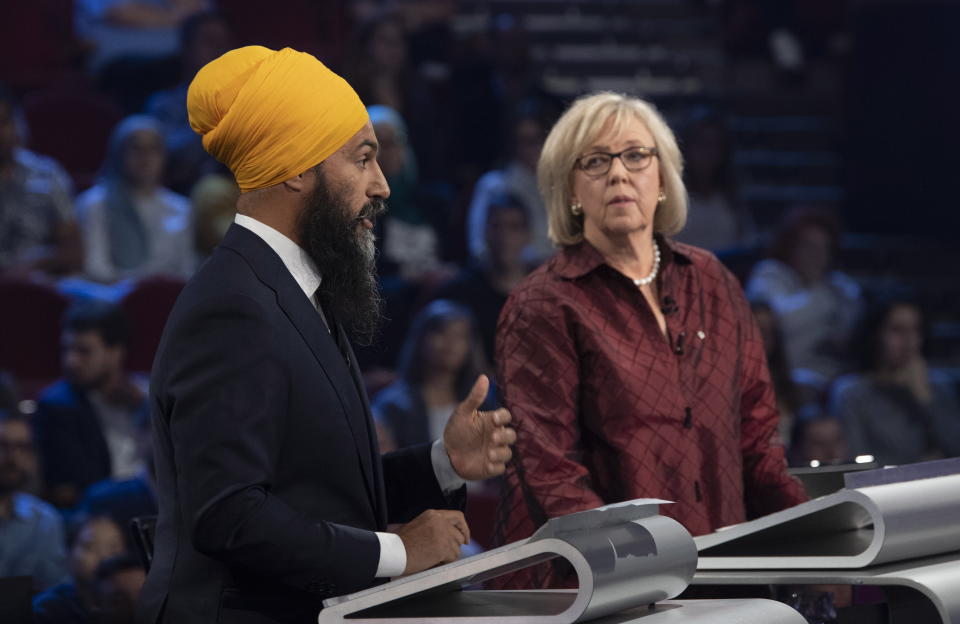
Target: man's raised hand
{"type": "Point", "coordinates": [478, 443]}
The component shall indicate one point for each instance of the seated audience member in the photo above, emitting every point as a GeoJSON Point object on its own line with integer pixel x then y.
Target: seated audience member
{"type": "Point", "coordinates": [126, 499]}
{"type": "Point", "coordinates": [818, 437]}
{"type": "Point", "coordinates": [408, 241]}
{"type": "Point", "coordinates": [895, 407]}
{"type": "Point", "coordinates": [37, 227]}
{"type": "Point", "coordinates": [31, 532]}
{"type": "Point", "coordinates": [440, 360]}
{"type": "Point", "coordinates": [716, 220]}
{"type": "Point", "coordinates": [517, 178]}
{"type": "Point", "coordinates": [86, 422]}
{"type": "Point", "coordinates": [132, 226]}
{"type": "Point", "coordinates": [816, 305]}
{"type": "Point", "coordinates": [8, 392]}
{"type": "Point", "coordinates": [214, 203]}
{"type": "Point", "coordinates": [115, 29]}
{"type": "Point", "coordinates": [117, 586]}
{"type": "Point", "coordinates": [789, 397]}
{"type": "Point", "coordinates": [203, 37]}
{"type": "Point", "coordinates": [93, 540]}
{"type": "Point", "coordinates": [484, 285]}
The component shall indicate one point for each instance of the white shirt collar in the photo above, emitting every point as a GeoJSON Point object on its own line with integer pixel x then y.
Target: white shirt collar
{"type": "Point", "coordinates": [300, 265]}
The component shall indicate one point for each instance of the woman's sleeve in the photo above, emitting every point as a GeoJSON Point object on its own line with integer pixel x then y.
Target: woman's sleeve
{"type": "Point", "coordinates": [767, 485]}
{"type": "Point", "coordinates": [538, 368]}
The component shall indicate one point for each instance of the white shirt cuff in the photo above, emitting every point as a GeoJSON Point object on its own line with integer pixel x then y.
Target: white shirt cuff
{"type": "Point", "coordinates": [447, 477]}
{"type": "Point", "coordinates": [393, 555]}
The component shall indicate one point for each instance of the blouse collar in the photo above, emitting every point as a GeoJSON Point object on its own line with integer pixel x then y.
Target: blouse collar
{"type": "Point", "coordinates": [577, 260]}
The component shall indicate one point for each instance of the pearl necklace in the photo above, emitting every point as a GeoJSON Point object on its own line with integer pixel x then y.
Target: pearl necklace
{"type": "Point", "coordinates": [643, 281]}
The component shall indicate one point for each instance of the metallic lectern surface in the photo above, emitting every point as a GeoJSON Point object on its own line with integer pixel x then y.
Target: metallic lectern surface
{"type": "Point", "coordinates": [628, 560]}
{"type": "Point", "coordinates": [898, 529]}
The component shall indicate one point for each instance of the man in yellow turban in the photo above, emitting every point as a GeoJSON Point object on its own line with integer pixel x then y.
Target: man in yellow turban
{"type": "Point", "coordinates": [271, 489]}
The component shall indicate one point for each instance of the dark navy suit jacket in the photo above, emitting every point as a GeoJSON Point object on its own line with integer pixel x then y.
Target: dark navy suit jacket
{"type": "Point", "coordinates": [269, 480]}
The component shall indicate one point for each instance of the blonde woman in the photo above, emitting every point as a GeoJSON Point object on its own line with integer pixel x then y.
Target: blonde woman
{"type": "Point", "coordinates": [631, 363]}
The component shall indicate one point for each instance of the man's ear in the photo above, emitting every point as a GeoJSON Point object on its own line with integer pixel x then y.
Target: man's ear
{"type": "Point", "coordinates": [298, 183]}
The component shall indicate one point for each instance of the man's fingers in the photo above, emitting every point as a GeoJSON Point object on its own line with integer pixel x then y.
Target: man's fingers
{"type": "Point", "coordinates": [495, 470]}
{"type": "Point", "coordinates": [477, 394]}
{"type": "Point", "coordinates": [499, 455]}
{"type": "Point", "coordinates": [501, 416]}
{"type": "Point", "coordinates": [504, 436]}
{"type": "Point", "coordinates": [460, 524]}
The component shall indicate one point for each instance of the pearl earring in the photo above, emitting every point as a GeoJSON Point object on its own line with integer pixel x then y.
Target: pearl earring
{"type": "Point", "coordinates": [576, 208]}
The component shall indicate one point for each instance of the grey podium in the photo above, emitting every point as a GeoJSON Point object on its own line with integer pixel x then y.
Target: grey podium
{"type": "Point", "coordinates": [629, 560]}
{"type": "Point", "coordinates": [897, 529]}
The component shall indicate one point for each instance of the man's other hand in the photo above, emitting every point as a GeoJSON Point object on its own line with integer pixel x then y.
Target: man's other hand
{"type": "Point", "coordinates": [433, 538]}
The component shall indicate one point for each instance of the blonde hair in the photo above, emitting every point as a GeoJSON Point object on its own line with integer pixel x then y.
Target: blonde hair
{"type": "Point", "coordinates": [575, 131]}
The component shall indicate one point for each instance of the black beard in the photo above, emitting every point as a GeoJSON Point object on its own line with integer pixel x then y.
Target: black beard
{"type": "Point", "coordinates": [343, 250]}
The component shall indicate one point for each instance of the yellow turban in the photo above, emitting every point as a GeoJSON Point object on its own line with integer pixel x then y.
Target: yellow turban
{"type": "Point", "coordinates": [270, 115]}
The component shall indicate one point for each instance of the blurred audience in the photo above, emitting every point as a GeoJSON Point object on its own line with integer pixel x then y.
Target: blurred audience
{"type": "Point", "coordinates": [93, 541]}
{"type": "Point", "coordinates": [484, 284]}
{"type": "Point", "coordinates": [86, 423]}
{"type": "Point", "coordinates": [817, 306]}
{"type": "Point", "coordinates": [114, 29]}
{"type": "Point", "coordinates": [132, 226]}
{"type": "Point", "coordinates": [204, 36]}
{"type": "Point", "coordinates": [37, 227]}
{"type": "Point", "coordinates": [126, 499]}
{"type": "Point", "coordinates": [117, 586]}
{"type": "Point", "coordinates": [895, 407]}
{"type": "Point", "coordinates": [518, 178]}
{"type": "Point", "coordinates": [440, 361]}
{"type": "Point", "coordinates": [380, 69]}
{"type": "Point", "coordinates": [31, 531]}
{"type": "Point", "coordinates": [789, 397]}
{"type": "Point", "coordinates": [716, 220]}
{"type": "Point", "coordinates": [408, 239]}
{"type": "Point", "coordinates": [8, 392]}
{"type": "Point", "coordinates": [214, 205]}
{"type": "Point", "coordinates": [818, 438]}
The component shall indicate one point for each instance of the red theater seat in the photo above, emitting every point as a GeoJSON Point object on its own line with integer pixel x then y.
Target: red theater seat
{"type": "Point", "coordinates": [30, 317]}
{"type": "Point", "coordinates": [147, 307]}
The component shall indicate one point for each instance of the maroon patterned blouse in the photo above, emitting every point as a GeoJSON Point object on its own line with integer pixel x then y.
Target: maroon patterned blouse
{"type": "Point", "coordinates": [608, 409]}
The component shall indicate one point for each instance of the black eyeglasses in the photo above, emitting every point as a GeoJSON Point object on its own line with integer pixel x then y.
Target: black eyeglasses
{"type": "Point", "coordinates": [633, 158]}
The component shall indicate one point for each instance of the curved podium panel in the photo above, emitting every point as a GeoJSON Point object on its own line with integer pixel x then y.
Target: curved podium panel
{"type": "Point", "coordinates": [853, 528]}
{"type": "Point", "coordinates": [627, 559]}
{"type": "Point", "coordinates": [897, 529]}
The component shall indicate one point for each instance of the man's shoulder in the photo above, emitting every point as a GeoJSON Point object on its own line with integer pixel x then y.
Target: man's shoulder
{"type": "Point", "coordinates": [853, 387]}
{"type": "Point", "coordinates": [225, 275]}
{"type": "Point", "coordinates": [61, 604]}
{"type": "Point", "coordinates": [224, 293]}
{"type": "Point", "coordinates": [398, 395]}
{"type": "Point", "coordinates": [60, 394]}
{"type": "Point", "coordinates": [29, 507]}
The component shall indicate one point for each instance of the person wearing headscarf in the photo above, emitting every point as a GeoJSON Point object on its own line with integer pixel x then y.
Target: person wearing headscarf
{"type": "Point", "coordinates": [271, 489]}
{"type": "Point", "coordinates": [132, 226]}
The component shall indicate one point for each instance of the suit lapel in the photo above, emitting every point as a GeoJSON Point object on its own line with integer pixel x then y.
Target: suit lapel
{"type": "Point", "coordinates": [305, 318]}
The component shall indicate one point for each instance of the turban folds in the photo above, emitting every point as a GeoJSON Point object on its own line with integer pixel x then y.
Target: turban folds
{"type": "Point", "coordinates": [270, 115]}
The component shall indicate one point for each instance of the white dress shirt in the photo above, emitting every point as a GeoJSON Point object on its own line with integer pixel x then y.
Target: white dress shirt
{"type": "Point", "coordinates": [393, 555]}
